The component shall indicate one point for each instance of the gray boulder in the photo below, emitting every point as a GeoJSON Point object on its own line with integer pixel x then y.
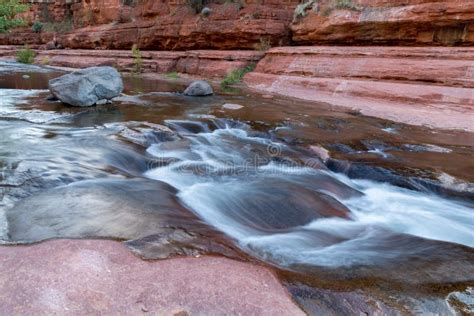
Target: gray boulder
{"type": "Point", "coordinates": [87, 86]}
{"type": "Point", "coordinates": [199, 88]}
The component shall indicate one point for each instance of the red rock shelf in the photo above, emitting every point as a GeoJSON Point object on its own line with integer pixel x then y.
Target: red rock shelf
{"type": "Point", "coordinates": [71, 277]}
{"type": "Point", "coordinates": [415, 85]}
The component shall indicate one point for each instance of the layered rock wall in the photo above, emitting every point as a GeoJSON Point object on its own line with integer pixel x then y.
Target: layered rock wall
{"type": "Point", "coordinates": [249, 24]}
{"type": "Point", "coordinates": [431, 86]}
{"type": "Point", "coordinates": [163, 25]}
{"type": "Point", "coordinates": [399, 22]}
{"type": "Point", "coordinates": [202, 63]}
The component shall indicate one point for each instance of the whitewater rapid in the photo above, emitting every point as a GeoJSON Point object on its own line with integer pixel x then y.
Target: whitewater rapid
{"type": "Point", "coordinates": [218, 178]}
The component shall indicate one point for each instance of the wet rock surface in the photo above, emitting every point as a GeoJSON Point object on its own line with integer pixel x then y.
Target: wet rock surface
{"type": "Point", "coordinates": [327, 302]}
{"type": "Point", "coordinates": [121, 209]}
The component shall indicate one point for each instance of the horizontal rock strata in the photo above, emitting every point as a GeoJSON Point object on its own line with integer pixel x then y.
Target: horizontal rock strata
{"type": "Point", "coordinates": [207, 63]}
{"type": "Point", "coordinates": [421, 86]}
{"type": "Point", "coordinates": [368, 22]}
{"type": "Point", "coordinates": [247, 24]}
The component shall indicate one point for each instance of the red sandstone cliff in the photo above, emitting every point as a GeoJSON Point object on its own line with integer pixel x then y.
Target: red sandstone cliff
{"type": "Point", "coordinates": [398, 22]}
{"type": "Point", "coordinates": [249, 24]}
{"type": "Point", "coordinates": [163, 25]}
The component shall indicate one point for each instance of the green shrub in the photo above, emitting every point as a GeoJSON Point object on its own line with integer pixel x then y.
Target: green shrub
{"type": "Point", "coordinates": [172, 75]}
{"type": "Point", "coordinates": [8, 10]}
{"type": "Point", "coordinates": [137, 59]}
{"type": "Point", "coordinates": [301, 9]}
{"type": "Point", "coordinates": [235, 76]}
{"type": "Point", "coordinates": [37, 27]}
{"type": "Point", "coordinates": [206, 12]}
{"type": "Point", "coordinates": [25, 56]}
{"type": "Point", "coordinates": [346, 4]}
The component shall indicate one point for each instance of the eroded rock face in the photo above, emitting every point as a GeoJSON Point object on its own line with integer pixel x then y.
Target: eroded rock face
{"type": "Point", "coordinates": [173, 25]}
{"type": "Point", "coordinates": [88, 86]}
{"type": "Point", "coordinates": [412, 22]}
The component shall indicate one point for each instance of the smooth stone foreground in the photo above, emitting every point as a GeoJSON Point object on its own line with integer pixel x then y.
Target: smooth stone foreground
{"type": "Point", "coordinates": [72, 277]}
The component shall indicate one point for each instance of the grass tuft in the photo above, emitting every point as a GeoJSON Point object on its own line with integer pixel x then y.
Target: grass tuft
{"type": "Point", "coordinates": [172, 75]}
{"type": "Point", "coordinates": [235, 76]}
{"type": "Point", "coordinates": [25, 55]}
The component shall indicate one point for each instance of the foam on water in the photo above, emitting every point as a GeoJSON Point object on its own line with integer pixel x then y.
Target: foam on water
{"type": "Point", "coordinates": [11, 98]}
{"type": "Point", "coordinates": [377, 217]}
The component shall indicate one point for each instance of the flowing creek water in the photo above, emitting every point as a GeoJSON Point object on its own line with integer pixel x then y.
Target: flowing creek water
{"type": "Point", "coordinates": [386, 213]}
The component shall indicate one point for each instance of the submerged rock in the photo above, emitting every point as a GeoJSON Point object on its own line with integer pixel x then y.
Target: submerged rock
{"type": "Point", "coordinates": [86, 87]}
{"type": "Point", "coordinates": [463, 301]}
{"type": "Point", "coordinates": [174, 242]}
{"type": "Point", "coordinates": [232, 106]}
{"type": "Point", "coordinates": [199, 88]}
{"type": "Point", "coordinates": [123, 209]}
{"type": "Point", "coordinates": [317, 301]}
{"type": "Point", "coordinates": [265, 206]}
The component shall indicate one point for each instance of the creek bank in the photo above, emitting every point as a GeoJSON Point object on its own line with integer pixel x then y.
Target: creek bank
{"type": "Point", "coordinates": [204, 63]}
{"type": "Point", "coordinates": [97, 276]}
{"type": "Point", "coordinates": [424, 86]}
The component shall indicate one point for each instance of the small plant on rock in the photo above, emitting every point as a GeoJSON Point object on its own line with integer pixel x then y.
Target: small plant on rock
{"type": "Point", "coordinates": [235, 76]}
{"type": "Point", "coordinates": [346, 4]}
{"type": "Point", "coordinates": [25, 56]}
{"type": "Point", "coordinates": [137, 59]}
{"type": "Point", "coordinates": [302, 9]}
{"type": "Point", "coordinates": [37, 27]}
{"type": "Point", "coordinates": [172, 75]}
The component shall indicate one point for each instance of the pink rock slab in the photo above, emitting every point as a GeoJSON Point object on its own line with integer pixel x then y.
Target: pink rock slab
{"type": "Point", "coordinates": [92, 277]}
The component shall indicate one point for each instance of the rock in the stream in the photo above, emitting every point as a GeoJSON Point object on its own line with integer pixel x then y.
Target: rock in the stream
{"type": "Point", "coordinates": [86, 87]}
{"type": "Point", "coordinates": [199, 88]}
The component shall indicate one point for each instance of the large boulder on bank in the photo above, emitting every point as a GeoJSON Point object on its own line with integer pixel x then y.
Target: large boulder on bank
{"type": "Point", "coordinates": [199, 88]}
{"type": "Point", "coordinates": [87, 86]}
